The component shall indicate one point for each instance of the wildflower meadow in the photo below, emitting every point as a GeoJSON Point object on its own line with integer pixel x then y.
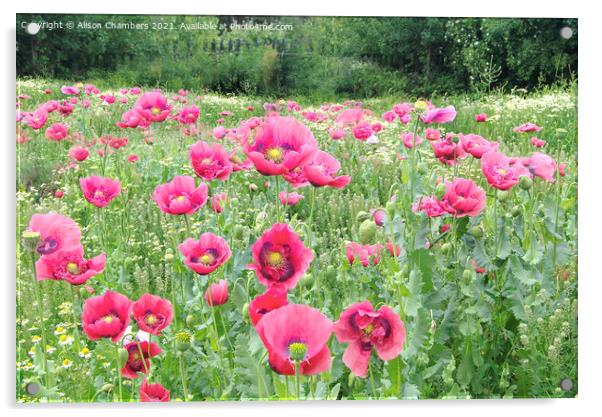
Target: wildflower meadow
{"type": "Point", "coordinates": [189, 245]}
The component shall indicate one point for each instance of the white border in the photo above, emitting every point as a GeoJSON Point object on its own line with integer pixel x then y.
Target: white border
{"type": "Point", "coordinates": [590, 178]}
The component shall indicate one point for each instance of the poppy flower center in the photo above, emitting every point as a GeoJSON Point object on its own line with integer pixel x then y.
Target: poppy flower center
{"type": "Point", "coordinates": [206, 161]}
{"type": "Point", "coordinates": [180, 198]}
{"type": "Point", "coordinates": [275, 259]}
{"type": "Point", "coordinates": [368, 329]}
{"type": "Point", "coordinates": [502, 171]}
{"type": "Point", "coordinates": [207, 259]}
{"type": "Point", "coordinates": [73, 268]}
{"type": "Point", "coordinates": [150, 319]}
{"type": "Point", "coordinates": [155, 111]}
{"type": "Point", "coordinates": [274, 154]}
{"type": "Point", "coordinates": [99, 194]}
{"type": "Point", "coordinates": [108, 319]}
{"type": "Point", "coordinates": [297, 351]}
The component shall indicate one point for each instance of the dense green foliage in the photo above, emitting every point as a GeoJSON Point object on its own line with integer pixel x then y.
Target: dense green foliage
{"type": "Point", "coordinates": [325, 56]}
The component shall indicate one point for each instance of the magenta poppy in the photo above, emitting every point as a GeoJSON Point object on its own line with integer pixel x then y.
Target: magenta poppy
{"type": "Point", "coordinates": [464, 198]}
{"type": "Point", "coordinates": [57, 131]}
{"type": "Point", "coordinates": [527, 127]}
{"type": "Point", "coordinates": [280, 145]}
{"type": "Point", "coordinates": [289, 199]}
{"type": "Point", "coordinates": [139, 354]}
{"type": "Point", "coordinates": [270, 300]}
{"type": "Point", "coordinates": [152, 313]}
{"type": "Point", "coordinates": [363, 328]}
{"type": "Point", "coordinates": [408, 140]}
{"type": "Point", "coordinates": [152, 106]}
{"type": "Point", "coordinates": [477, 145]}
{"type": "Point", "coordinates": [57, 233]}
{"type": "Point", "coordinates": [132, 119]}
{"type": "Point", "coordinates": [496, 168]}
{"type": "Point", "coordinates": [205, 255]}
{"type": "Point", "coordinates": [99, 191]}
{"type": "Point", "coordinates": [480, 118]}
{"type": "Point", "coordinates": [70, 266]}
{"type": "Point", "coordinates": [78, 153]}
{"type": "Point", "coordinates": [216, 202]}
{"type": "Point", "coordinates": [431, 206]}
{"type": "Point", "coordinates": [188, 115]}
{"type": "Point", "coordinates": [366, 254]}
{"type": "Point", "coordinates": [37, 119]}
{"type": "Point", "coordinates": [153, 393]}
{"type": "Point", "coordinates": [448, 151]}
{"type": "Point", "coordinates": [439, 115]}
{"type": "Point", "coordinates": [280, 258]}
{"type": "Point", "coordinates": [321, 170]}
{"type": "Point", "coordinates": [210, 161]}
{"type": "Point", "coordinates": [180, 196]}
{"type": "Point", "coordinates": [217, 294]}
{"type": "Point", "coordinates": [296, 333]}
{"type": "Point", "coordinates": [106, 316]}
{"type": "Point", "coordinates": [540, 165]}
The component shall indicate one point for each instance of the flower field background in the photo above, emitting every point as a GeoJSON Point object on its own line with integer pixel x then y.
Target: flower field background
{"type": "Point", "coordinates": [235, 248]}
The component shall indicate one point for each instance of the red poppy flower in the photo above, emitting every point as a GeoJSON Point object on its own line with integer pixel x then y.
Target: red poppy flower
{"type": "Point", "coordinates": [152, 106]}
{"type": "Point", "coordinates": [464, 198]}
{"type": "Point", "coordinates": [363, 328]}
{"type": "Point", "coordinates": [106, 315]}
{"type": "Point", "coordinates": [69, 266]}
{"type": "Point", "coordinates": [99, 191]}
{"type": "Point", "coordinates": [152, 313]}
{"type": "Point", "coordinates": [364, 253]}
{"type": "Point", "coordinates": [296, 333]}
{"type": "Point", "coordinates": [217, 294]}
{"type": "Point", "coordinates": [138, 358]}
{"type": "Point", "coordinates": [180, 195]}
{"type": "Point", "coordinates": [321, 170]}
{"type": "Point", "coordinates": [57, 233]}
{"type": "Point", "coordinates": [280, 258]}
{"type": "Point", "coordinates": [210, 161]}
{"type": "Point", "coordinates": [205, 255]}
{"type": "Point", "coordinates": [153, 393]}
{"type": "Point", "coordinates": [270, 300]}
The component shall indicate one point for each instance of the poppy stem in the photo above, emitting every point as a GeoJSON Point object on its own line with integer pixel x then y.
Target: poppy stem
{"type": "Point", "coordinates": [40, 316]}
{"type": "Point", "coordinates": [183, 375]}
{"type": "Point", "coordinates": [372, 380]}
{"type": "Point", "coordinates": [297, 380]}
{"type": "Point", "coordinates": [118, 371]}
{"type": "Point", "coordinates": [278, 198]}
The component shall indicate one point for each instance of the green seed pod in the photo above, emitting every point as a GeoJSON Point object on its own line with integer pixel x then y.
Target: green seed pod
{"type": "Point", "coordinates": [502, 195]}
{"type": "Point", "coordinates": [245, 310]}
{"type": "Point", "coordinates": [169, 251]}
{"type": "Point", "coordinates": [440, 191]}
{"type": "Point", "coordinates": [361, 216]}
{"type": "Point", "coordinates": [191, 320]}
{"type": "Point", "coordinates": [390, 208]}
{"type": "Point", "coordinates": [183, 341]}
{"type": "Point", "coordinates": [515, 211]}
{"type": "Point", "coordinates": [307, 280]}
{"type": "Point", "coordinates": [455, 139]}
{"type": "Point", "coordinates": [107, 387]}
{"type": "Point", "coordinates": [123, 357]}
{"type": "Point", "coordinates": [169, 258]}
{"type": "Point", "coordinates": [30, 239]}
{"type": "Point", "coordinates": [83, 292]}
{"type": "Point", "coordinates": [331, 273]}
{"type": "Point", "coordinates": [446, 247]}
{"type": "Point", "coordinates": [367, 231]}
{"type": "Point", "coordinates": [467, 275]}
{"type": "Point", "coordinates": [476, 231]}
{"type": "Point", "coordinates": [238, 231]}
{"type": "Point", "coordinates": [350, 379]}
{"type": "Point", "coordinates": [525, 182]}
{"type": "Point", "coordinates": [422, 168]}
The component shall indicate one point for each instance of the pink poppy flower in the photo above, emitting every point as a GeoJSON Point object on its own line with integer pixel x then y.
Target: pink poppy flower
{"type": "Point", "coordinates": [99, 191]}
{"type": "Point", "coordinates": [538, 143]}
{"type": "Point", "coordinates": [527, 127]}
{"type": "Point", "coordinates": [133, 158]}
{"type": "Point", "coordinates": [366, 254]}
{"type": "Point", "coordinates": [152, 107]}
{"type": "Point", "coordinates": [409, 141]}
{"type": "Point", "coordinates": [139, 354]}
{"type": "Point", "coordinates": [292, 106]}
{"type": "Point", "coordinates": [217, 294]}
{"type": "Point", "coordinates": [395, 252]}
{"type": "Point", "coordinates": [280, 258]}
{"type": "Point", "coordinates": [117, 143]}
{"type": "Point", "coordinates": [432, 134]}
{"type": "Point", "coordinates": [389, 116]}
{"type": "Point", "coordinates": [216, 202]}
{"type": "Point", "coordinates": [188, 115]}
{"type": "Point", "coordinates": [132, 119]}
{"type": "Point", "coordinates": [135, 91]}
{"type": "Point", "coordinates": [562, 169]}
{"type": "Point", "coordinates": [57, 131]}
{"type": "Point", "coordinates": [205, 255]}
{"type": "Point", "coordinates": [296, 178]}
{"type": "Point", "coordinates": [69, 266]}
{"type": "Point", "coordinates": [431, 206]}
{"type": "Point", "coordinates": [363, 328]}
{"type": "Point", "coordinates": [379, 216]}
{"type": "Point", "coordinates": [152, 313]}
{"type": "Point", "coordinates": [447, 151]}
{"type": "Point", "coordinates": [477, 145]}
{"type": "Point", "coordinates": [51, 105]}
{"type": "Point", "coordinates": [153, 393]}
{"type": "Point", "coordinates": [296, 333]}
{"type": "Point", "coordinates": [59, 194]}
{"type": "Point", "coordinates": [351, 117]}
{"type": "Point", "coordinates": [37, 119]}
{"type": "Point", "coordinates": [362, 131]}
{"type": "Point", "coordinates": [478, 269]}
{"type": "Point", "coordinates": [270, 300]}
{"type": "Point", "coordinates": [210, 161]}
{"type": "Point", "coordinates": [464, 198]}
{"type": "Point", "coordinates": [79, 153]}
{"type": "Point", "coordinates": [219, 132]}
{"type": "Point", "coordinates": [57, 233]}
{"type": "Point", "coordinates": [321, 169]}
{"type": "Point", "coordinates": [336, 133]}
{"type": "Point", "coordinates": [106, 316]}
{"type": "Point", "coordinates": [280, 145]}
{"type": "Point", "coordinates": [69, 90]}
{"type": "Point", "coordinates": [66, 109]}
{"type": "Point", "coordinates": [289, 199]}
{"type": "Point", "coordinates": [439, 115]}
{"type": "Point", "coordinates": [497, 170]}
{"type": "Point", "coordinates": [540, 165]}
{"type": "Point", "coordinates": [481, 117]}
{"type": "Point", "coordinates": [180, 196]}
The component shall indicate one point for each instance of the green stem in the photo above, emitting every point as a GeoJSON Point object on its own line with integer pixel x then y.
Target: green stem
{"type": "Point", "coordinates": [118, 371]}
{"type": "Point", "coordinates": [183, 375]}
{"type": "Point", "coordinates": [297, 380]}
{"type": "Point", "coordinates": [40, 317]}
{"type": "Point", "coordinates": [372, 380]}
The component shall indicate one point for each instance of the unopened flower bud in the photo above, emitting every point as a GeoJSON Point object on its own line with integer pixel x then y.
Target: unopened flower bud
{"type": "Point", "coordinates": [525, 182]}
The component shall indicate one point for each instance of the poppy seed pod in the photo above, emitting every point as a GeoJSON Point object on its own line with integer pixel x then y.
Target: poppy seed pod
{"type": "Point", "coordinates": [367, 231]}
{"type": "Point", "coordinates": [525, 182]}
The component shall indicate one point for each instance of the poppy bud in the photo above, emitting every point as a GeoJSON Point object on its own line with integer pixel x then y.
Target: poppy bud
{"type": "Point", "coordinates": [446, 247]}
{"type": "Point", "coordinates": [107, 388]}
{"type": "Point", "coordinates": [420, 105]}
{"type": "Point", "coordinates": [525, 182]}
{"type": "Point", "coordinates": [361, 216]}
{"type": "Point", "coordinates": [476, 231]}
{"type": "Point", "coordinates": [83, 292]}
{"type": "Point", "coordinates": [350, 379]}
{"type": "Point", "coordinates": [252, 187]}
{"type": "Point", "coordinates": [502, 195]}
{"type": "Point", "coordinates": [331, 273]}
{"type": "Point", "coordinates": [191, 320]}
{"type": "Point", "coordinates": [245, 310]}
{"type": "Point", "coordinates": [467, 275]}
{"type": "Point", "coordinates": [422, 168]}
{"type": "Point", "coordinates": [440, 191]}
{"type": "Point", "coordinates": [238, 231]}
{"type": "Point", "coordinates": [169, 258]}
{"type": "Point", "coordinates": [433, 328]}
{"type": "Point", "coordinates": [455, 139]}
{"type": "Point", "coordinates": [367, 231]}
{"type": "Point", "coordinates": [123, 357]}
{"type": "Point", "coordinates": [515, 211]}
{"type": "Point", "coordinates": [390, 208]}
